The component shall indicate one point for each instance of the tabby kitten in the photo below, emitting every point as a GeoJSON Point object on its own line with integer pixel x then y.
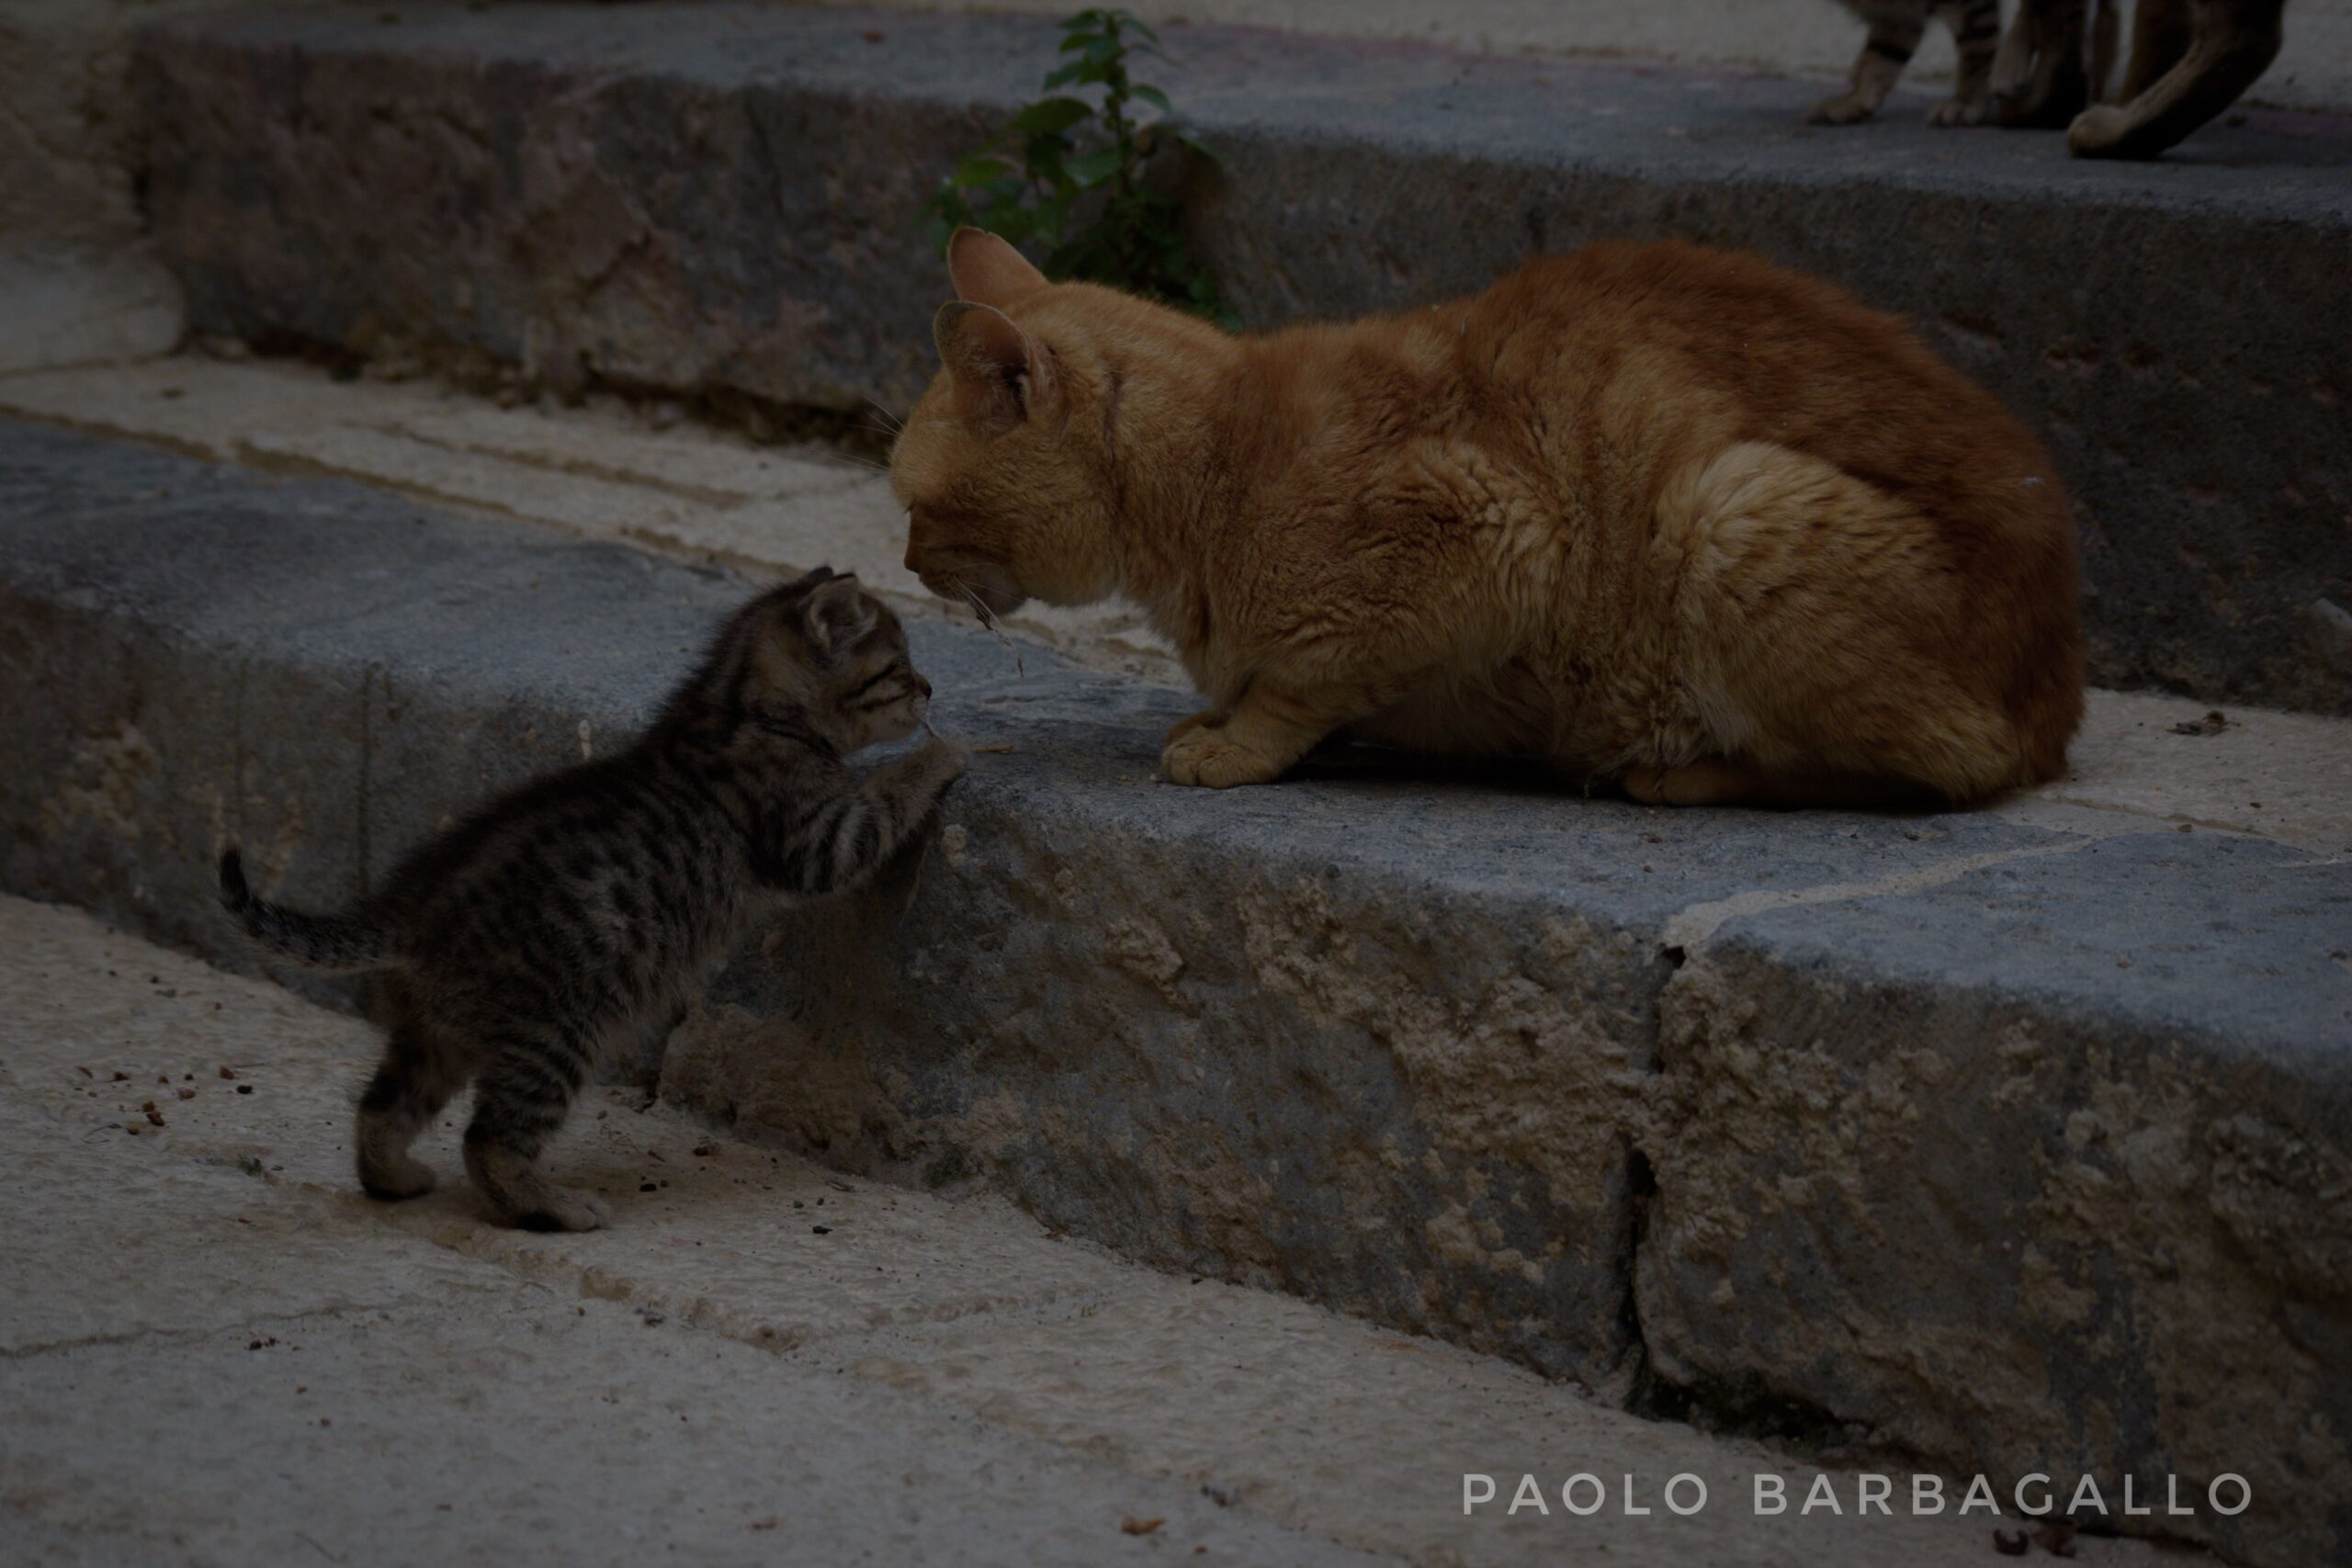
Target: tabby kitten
{"type": "Point", "coordinates": [568, 919]}
{"type": "Point", "coordinates": [1652, 513]}
{"type": "Point", "coordinates": [1896, 29]}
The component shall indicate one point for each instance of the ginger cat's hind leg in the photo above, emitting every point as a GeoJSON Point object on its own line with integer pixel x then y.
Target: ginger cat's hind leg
{"type": "Point", "coordinates": [1829, 655]}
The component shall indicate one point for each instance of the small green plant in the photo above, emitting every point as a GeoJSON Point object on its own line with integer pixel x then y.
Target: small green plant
{"type": "Point", "coordinates": [1069, 157]}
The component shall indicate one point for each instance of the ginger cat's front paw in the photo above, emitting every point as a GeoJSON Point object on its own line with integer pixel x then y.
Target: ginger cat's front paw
{"type": "Point", "coordinates": [1202, 755]}
{"type": "Point", "coordinates": [1207, 718]}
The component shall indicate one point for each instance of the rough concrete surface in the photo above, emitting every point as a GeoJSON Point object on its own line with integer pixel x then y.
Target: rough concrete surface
{"type": "Point", "coordinates": [607, 470]}
{"type": "Point", "coordinates": [214, 1322]}
{"type": "Point", "coordinates": [722, 201]}
{"type": "Point", "coordinates": [1624, 1094]}
{"type": "Point", "coordinates": [78, 281]}
{"type": "Point", "coordinates": [1810, 37]}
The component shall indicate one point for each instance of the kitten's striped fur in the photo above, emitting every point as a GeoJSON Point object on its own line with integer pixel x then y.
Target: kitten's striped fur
{"type": "Point", "coordinates": [572, 918]}
{"type": "Point", "coordinates": [1896, 29]}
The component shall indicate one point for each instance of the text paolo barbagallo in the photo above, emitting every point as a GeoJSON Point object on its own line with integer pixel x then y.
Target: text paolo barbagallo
{"type": "Point", "coordinates": [1861, 1494]}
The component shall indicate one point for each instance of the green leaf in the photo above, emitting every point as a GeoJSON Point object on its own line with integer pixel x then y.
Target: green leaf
{"type": "Point", "coordinates": [1091, 169]}
{"type": "Point", "coordinates": [1102, 51]}
{"type": "Point", "coordinates": [1044, 156]}
{"type": "Point", "coordinates": [1197, 145]}
{"type": "Point", "coordinates": [1052, 116]}
{"type": "Point", "coordinates": [1076, 71]}
{"type": "Point", "coordinates": [979, 169]}
{"type": "Point", "coordinates": [1153, 96]}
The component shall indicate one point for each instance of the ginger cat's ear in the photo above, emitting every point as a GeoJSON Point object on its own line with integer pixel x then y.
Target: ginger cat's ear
{"type": "Point", "coordinates": [998, 371]}
{"type": "Point", "coordinates": [987, 270]}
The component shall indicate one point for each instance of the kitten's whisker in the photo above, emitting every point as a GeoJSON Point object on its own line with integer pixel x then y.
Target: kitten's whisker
{"type": "Point", "coordinates": [894, 422]}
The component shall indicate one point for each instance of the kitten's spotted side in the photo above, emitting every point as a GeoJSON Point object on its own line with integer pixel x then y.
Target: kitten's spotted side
{"type": "Point", "coordinates": [577, 916]}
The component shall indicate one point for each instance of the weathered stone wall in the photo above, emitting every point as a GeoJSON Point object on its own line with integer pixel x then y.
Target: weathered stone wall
{"type": "Point", "coordinates": [723, 200]}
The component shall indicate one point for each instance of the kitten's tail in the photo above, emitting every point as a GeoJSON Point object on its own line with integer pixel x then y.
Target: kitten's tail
{"type": "Point", "coordinates": [324, 942]}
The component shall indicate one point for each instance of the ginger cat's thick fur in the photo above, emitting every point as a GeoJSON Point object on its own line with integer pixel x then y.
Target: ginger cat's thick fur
{"type": "Point", "coordinates": [1656, 514]}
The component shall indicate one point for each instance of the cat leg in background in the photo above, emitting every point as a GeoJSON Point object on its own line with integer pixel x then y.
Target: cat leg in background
{"type": "Point", "coordinates": [2041, 79]}
{"type": "Point", "coordinates": [1976, 31]}
{"type": "Point", "coordinates": [1894, 37]}
{"type": "Point", "coordinates": [2235, 43]}
{"type": "Point", "coordinates": [2162, 31]}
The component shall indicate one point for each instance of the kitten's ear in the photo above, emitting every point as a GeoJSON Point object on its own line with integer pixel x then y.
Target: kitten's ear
{"type": "Point", "coordinates": [997, 367]}
{"type": "Point", "coordinates": [987, 270]}
{"type": "Point", "coordinates": [836, 615]}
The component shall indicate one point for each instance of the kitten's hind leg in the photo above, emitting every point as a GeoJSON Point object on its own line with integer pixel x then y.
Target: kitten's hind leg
{"type": "Point", "coordinates": [1885, 52]}
{"type": "Point", "coordinates": [521, 1099]}
{"type": "Point", "coordinates": [415, 1079]}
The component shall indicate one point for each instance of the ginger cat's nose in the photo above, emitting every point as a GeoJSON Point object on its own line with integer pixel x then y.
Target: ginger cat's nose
{"type": "Point", "coordinates": [914, 558]}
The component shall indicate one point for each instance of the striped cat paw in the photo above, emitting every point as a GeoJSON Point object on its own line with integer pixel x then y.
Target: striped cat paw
{"type": "Point", "coordinates": [1204, 756]}
{"type": "Point", "coordinates": [1960, 111]}
{"type": "Point", "coordinates": [1846, 108]}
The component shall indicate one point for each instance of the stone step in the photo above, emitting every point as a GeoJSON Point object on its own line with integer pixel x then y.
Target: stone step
{"type": "Point", "coordinates": [2014, 1142]}
{"type": "Point", "coordinates": [722, 201]}
{"type": "Point", "coordinates": [1798, 37]}
{"type": "Point", "coordinates": [844, 1368]}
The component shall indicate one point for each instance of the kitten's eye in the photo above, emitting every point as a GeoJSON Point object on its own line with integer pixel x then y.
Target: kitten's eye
{"type": "Point", "coordinates": [893, 682]}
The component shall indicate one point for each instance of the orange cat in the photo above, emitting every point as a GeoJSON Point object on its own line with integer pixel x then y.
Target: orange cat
{"type": "Point", "coordinates": [1656, 514]}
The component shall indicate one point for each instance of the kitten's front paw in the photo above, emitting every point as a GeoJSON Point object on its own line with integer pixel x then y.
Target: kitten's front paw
{"type": "Point", "coordinates": [948, 759]}
{"type": "Point", "coordinates": [1204, 756]}
{"type": "Point", "coordinates": [1846, 108]}
{"type": "Point", "coordinates": [1959, 112]}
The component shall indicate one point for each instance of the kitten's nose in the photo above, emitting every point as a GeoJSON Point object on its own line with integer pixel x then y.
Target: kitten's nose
{"type": "Point", "coordinates": [923, 685]}
{"type": "Point", "coordinates": [914, 558]}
